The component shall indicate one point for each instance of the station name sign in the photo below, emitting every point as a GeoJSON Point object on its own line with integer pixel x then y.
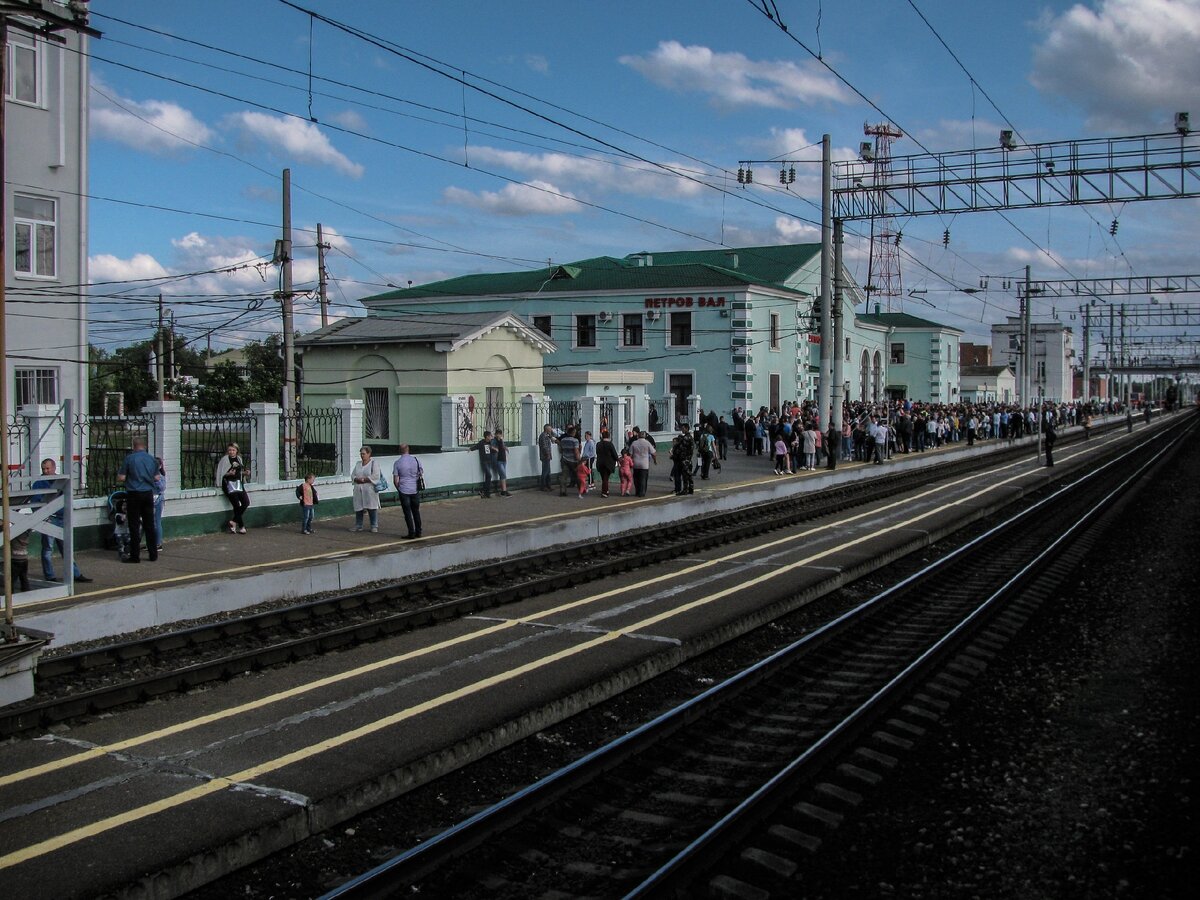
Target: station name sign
{"type": "Point", "coordinates": [683, 302]}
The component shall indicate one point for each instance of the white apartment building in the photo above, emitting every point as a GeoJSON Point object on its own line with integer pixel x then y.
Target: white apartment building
{"type": "Point", "coordinates": [1051, 376]}
{"type": "Point", "coordinates": [45, 215]}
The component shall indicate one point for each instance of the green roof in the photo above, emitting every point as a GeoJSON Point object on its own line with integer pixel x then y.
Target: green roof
{"type": "Point", "coordinates": [903, 320]}
{"type": "Point", "coordinates": [773, 264]}
{"type": "Point", "coordinates": [768, 266]}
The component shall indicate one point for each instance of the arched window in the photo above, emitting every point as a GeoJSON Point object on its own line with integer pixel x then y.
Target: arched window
{"type": "Point", "coordinates": [864, 376]}
{"type": "Point", "coordinates": [877, 377]}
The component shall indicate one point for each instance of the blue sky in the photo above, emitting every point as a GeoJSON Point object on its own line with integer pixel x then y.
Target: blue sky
{"type": "Point", "coordinates": [588, 128]}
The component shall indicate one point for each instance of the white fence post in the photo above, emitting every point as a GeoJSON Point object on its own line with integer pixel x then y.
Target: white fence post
{"type": "Point", "coordinates": [265, 461]}
{"type": "Point", "coordinates": [693, 409]}
{"type": "Point", "coordinates": [669, 422]}
{"type": "Point", "coordinates": [590, 411]}
{"type": "Point", "coordinates": [616, 425]}
{"type": "Point", "coordinates": [350, 434]}
{"type": "Point", "coordinates": [166, 438]}
{"type": "Point", "coordinates": [45, 439]}
{"type": "Point", "coordinates": [530, 428]}
{"type": "Point", "coordinates": [449, 424]}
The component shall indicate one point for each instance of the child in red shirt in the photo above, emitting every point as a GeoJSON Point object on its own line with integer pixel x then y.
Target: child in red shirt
{"type": "Point", "coordinates": [582, 473]}
{"type": "Point", "coordinates": [625, 470]}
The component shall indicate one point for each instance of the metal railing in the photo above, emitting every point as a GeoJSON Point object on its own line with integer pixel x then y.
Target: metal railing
{"type": "Point", "coordinates": [472, 423]}
{"type": "Point", "coordinates": [657, 414]}
{"type": "Point", "coordinates": [105, 442]}
{"type": "Point", "coordinates": [203, 439]}
{"type": "Point", "coordinates": [315, 432]}
{"type": "Point", "coordinates": [18, 440]}
{"type": "Point", "coordinates": [560, 413]}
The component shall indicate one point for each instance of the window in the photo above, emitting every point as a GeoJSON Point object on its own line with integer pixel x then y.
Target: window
{"type": "Point", "coordinates": [585, 331]}
{"type": "Point", "coordinates": [631, 330]}
{"type": "Point", "coordinates": [846, 355]}
{"type": "Point", "coordinates": [21, 71]}
{"type": "Point", "coordinates": [681, 329]}
{"type": "Point", "coordinates": [542, 324]}
{"type": "Point", "coordinates": [33, 222]}
{"type": "Point", "coordinates": [897, 354]}
{"type": "Point", "coordinates": [36, 386]}
{"type": "Point", "coordinates": [1041, 371]}
{"type": "Point", "coordinates": [774, 331]}
{"type": "Point", "coordinates": [378, 413]}
{"type": "Point", "coordinates": [1014, 342]}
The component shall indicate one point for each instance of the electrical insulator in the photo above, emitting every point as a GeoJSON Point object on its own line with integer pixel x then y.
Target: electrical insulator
{"type": "Point", "coordinates": [749, 175]}
{"type": "Point", "coordinates": [791, 175]}
{"type": "Point", "coordinates": [1112, 229]}
{"type": "Point", "coordinates": [741, 175]}
{"type": "Point", "coordinates": [899, 234]}
{"type": "Point", "coordinates": [783, 176]}
{"type": "Point", "coordinates": [946, 238]}
{"type": "Point", "coordinates": [983, 284]}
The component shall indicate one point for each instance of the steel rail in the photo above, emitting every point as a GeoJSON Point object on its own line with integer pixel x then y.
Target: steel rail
{"type": "Point", "coordinates": [413, 864]}
{"type": "Point", "coordinates": [606, 555]}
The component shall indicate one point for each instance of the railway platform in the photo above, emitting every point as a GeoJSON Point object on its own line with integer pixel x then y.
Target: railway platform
{"type": "Point", "coordinates": [212, 574]}
{"type": "Point", "coordinates": [164, 797]}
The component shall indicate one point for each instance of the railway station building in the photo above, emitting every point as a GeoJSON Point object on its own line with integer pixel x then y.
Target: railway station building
{"type": "Point", "coordinates": [733, 327]}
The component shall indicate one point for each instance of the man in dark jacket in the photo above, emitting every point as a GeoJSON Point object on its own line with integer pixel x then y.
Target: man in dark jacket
{"type": "Point", "coordinates": [485, 450]}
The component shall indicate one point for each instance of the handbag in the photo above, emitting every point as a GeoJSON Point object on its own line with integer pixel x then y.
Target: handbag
{"type": "Point", "coordinates": [381, 485]}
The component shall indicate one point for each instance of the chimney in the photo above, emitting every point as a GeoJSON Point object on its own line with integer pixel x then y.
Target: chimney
{"type": "Point", "coordinates": [732, 256]}
{"type": "Point", "coordinates": [876, 309]}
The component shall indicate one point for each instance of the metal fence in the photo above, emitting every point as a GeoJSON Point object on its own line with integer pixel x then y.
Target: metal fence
{"type": "Point", "coordinates": [472, 422]}
{"type": "Point", "coordinates": [560, 413]}
{"type": "Point", "coordinates": [314, 435]}
{"type": "Point", "coordinates": [203, 439]}
{"type": "Point", "coordinates": [105, 441]}
{"type": "Point", "coordinates": [18, 440]}
{"type": "Point", "coordinates": [658, 416]}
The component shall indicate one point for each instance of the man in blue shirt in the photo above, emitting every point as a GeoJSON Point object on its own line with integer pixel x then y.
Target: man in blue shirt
{"type": "Point", "coordinates": [50, 469]}
{"type": "Point", "coordinates": [137, 473]}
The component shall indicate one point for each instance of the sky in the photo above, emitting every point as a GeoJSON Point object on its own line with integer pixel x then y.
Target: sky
{"type": "Point", "coordinates": [439, 139]}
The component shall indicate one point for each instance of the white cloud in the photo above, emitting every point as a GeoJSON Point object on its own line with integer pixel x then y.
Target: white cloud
{"type": "Point", "coordinates": [155, 126]}
{"type": "Point", "coordinates": [348, 118]}
{"type": "Point", "coordinates": [732, 80]}
{"type": "Point", "coordinates": [629, 177]}
{"type": "Point", "coordinates": [793, 231]}
{"type": "Point", "coordinates": [106, 267]}
{"type": "Point", "coordinates": [1129, 64]}
{"type": "Point", "coordinates": [289, 138]}
{"type": "Point", "coordinates": [538, 63]}
{"type": "Point", "coordinates": [531, 199]}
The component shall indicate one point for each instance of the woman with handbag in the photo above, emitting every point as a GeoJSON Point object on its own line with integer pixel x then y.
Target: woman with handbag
{"type": "Point", "coordinates": [231, 479]}
{"type": "Point", "coordinates": [366, 477]}
{"type": "Point", "coordinates": [409, 478]}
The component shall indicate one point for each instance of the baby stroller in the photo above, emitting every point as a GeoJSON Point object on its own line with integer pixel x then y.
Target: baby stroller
{"type": "Point", "coordinates": [118, 518]}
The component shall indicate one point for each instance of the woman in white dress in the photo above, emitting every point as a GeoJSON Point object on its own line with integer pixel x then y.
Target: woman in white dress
{"type": "Point", "coordinates": [366, 475]}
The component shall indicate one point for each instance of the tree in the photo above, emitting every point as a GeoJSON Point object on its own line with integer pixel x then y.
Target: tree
{"type": "Point", "coordinates": [225, 389]}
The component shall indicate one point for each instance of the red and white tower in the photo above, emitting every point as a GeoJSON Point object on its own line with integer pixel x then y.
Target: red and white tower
{"type": "Point", "coordinates": [883, 270]}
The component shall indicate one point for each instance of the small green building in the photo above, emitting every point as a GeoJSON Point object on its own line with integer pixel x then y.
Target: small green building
{"type": "Point", "coordinates": [402, 367]}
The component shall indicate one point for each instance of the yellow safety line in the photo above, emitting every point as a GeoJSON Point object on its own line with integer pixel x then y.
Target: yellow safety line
{"type": "Point", "coordinates": [304, 753]}
{"type": "Point", "coordinates": [261, 702]}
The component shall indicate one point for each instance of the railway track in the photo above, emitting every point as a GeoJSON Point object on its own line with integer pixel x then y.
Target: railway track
{"type": "Point", "coordinates": [727, 792]}
{"type": "Point", "coordinates": [98, 679]}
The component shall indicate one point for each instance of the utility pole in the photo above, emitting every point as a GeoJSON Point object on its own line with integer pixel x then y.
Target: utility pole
{"type": "Point", "coordinates": [289, 364]}
{"type": "Point", "coordinates": [1112, 348]}
{"type": "Point", "coordinates": [838, 398]}
{"type": "Point", "coordinates": [322, 281]}
{"type": "Point", "coordinates": [1125, 376]}
{"type": "Point", "coordinates": [1085, 310]}
{"type": "Point", "coordinates": [823, 386]}
{"type": "Point", "coordinates": [51, 18]}
{"type": "Point", "coordinates": [159, 373]}
{"type": "Point", "coordinates": [1026, 344]}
